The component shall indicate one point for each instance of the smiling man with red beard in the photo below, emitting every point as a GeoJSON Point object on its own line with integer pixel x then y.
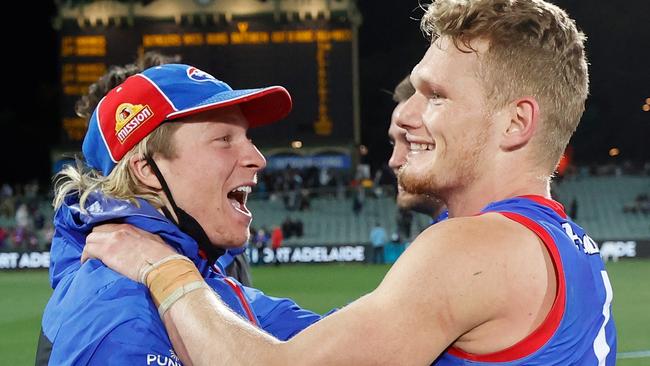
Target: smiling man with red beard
{"type": "Point", "coordinates": [508, 278]}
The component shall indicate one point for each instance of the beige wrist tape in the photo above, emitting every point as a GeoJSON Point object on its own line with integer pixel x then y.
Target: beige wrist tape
{"type": "Point", "coordinates": [179, 293]}
{"type": "Point", "coordinates": [144, 272]}
{"type": "Point", "coordinates": [170, 279]}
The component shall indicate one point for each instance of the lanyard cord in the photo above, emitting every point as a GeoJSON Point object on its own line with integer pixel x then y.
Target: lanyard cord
{"type": "Point", "coordinates": [186, 222]}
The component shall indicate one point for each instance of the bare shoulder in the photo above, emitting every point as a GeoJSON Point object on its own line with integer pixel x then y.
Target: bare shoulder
{"type": "Point", "coordinates": [473, 271]}
{"type": "Point", "coordinates": [490, 234]}
{"type": "Point", "coordinates": [473, 243]}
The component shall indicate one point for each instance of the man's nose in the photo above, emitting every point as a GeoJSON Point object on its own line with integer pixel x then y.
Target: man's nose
{"type": "Point", "coordinates": [410, 116]}
{"type": "Point", "coordinates": [253, 158]}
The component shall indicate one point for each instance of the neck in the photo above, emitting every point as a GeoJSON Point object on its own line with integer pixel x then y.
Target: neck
{"type": "Point", "coordinates": [471, 199]}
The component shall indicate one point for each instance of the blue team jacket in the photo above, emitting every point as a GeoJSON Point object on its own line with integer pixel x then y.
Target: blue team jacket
{"type": "Point", "coordinates": [99, 317]}
{"type": "Point", "coordinates": [579, 329]}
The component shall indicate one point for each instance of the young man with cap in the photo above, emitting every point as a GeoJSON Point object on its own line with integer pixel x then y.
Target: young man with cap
{"type": "Point", "coordinates": [167, 152]}
{"type": "Point", "coordinates": [508, 278]}
{"type": "Point", "coordinates": [233, 260]}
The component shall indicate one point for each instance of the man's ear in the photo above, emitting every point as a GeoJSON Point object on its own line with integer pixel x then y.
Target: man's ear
{"type": "Point", "coordinates": [523, 123]}
{"type": "Point", "coordinates": [143, 172]}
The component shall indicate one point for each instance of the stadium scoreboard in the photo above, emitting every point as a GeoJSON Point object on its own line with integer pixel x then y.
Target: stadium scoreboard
{"type": "Point", "coordinates": [313, 59]}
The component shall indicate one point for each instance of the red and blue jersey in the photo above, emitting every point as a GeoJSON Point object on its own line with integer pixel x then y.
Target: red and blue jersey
{"type": "Point", "coordinates": [579, 328]}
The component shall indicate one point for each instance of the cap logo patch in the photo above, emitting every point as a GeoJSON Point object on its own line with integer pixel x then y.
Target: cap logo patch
{"type": "Point", "coordinates": [128, 117]}
{"type": "Point", "coordinates": [198, 75]}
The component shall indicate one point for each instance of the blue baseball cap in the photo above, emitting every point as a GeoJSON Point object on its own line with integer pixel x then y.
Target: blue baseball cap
{"type": "Point", "coordinates": [133, 109]}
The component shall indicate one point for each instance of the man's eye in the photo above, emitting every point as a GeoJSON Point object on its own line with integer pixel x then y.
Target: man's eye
{"type": "Point", "coordinates": [435, 99]}
{"type": "Point", "coordinates": [391, 143]}
{"type": "Point", "coordinates": [224, 138]}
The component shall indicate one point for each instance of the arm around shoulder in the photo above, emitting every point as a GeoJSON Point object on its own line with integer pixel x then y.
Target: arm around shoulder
{"type": "Point", "coordinates": [449, 282]}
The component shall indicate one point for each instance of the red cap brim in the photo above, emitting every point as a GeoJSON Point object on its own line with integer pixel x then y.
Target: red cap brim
{"type": "Point", "coordinates": [260, 107]}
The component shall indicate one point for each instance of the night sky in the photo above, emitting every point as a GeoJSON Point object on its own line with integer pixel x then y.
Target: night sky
{"type": "Point", "coordinates": [390, 44]}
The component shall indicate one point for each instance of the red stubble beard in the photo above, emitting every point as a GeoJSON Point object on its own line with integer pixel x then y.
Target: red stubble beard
{"type": "Point", "coordinates": [440, 181]}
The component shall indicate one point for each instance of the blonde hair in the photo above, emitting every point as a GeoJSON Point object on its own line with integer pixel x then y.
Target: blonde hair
{"type": "Point", "coordinates": [121, 183]}
{"type": "Point", "coordinates": [535, 50]}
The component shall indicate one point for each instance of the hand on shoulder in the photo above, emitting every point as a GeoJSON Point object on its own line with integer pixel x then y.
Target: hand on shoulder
{"type": "Point", "coordinates": [125, 248]}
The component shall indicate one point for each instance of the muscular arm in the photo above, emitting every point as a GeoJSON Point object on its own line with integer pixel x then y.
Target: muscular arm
{"type": "Point", "coordinates": [454, 281]}
{"type": "Point", "coordinates": [383, 327]}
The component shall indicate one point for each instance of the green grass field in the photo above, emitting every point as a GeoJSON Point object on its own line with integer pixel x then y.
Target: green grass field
{"type": "Point", "coordinates": [319, 288]}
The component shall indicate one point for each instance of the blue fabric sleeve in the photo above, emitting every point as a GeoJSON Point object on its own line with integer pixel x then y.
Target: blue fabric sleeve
{"type": "Point", "coordinates": [134, 343]}
{"type": "Point", "coordinates": [280, 317]}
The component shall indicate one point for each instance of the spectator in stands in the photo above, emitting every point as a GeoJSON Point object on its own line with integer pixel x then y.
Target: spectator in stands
{"type": "Point", "coordinates": [24, 219]}
{"type": "Point", "coordinates": [3, 237]}
{"type": "Point", "coordinates": [47, 234]}
{"type": "Point", "coordinates": [6, 191]}
{"type": "Point", "coordinates": [167, 151]}
{"type": "Point", "coordinates": [324, 177]}
{"type": "Point", "coordinates": [287, 228]}
{"type": "Point", "coordinates": [404, 223]}
{"type": "Point", "coordinates": [276, 243]}
{"type": "Point", "coordinates": [299, 228]}
{"type": "Point", "coordinates": [292, 228]}
{"type": "Point", "coordinates": [357, 201]}
{"type": "Point", "coordinates": [32, 241]}
{"type": "Point", "coordinates": [20, 237]}
{"type": "Point", "coordinates": [395, 239]}
{"type": "Point", "coordinates": [378, 239]}
{"type": "Point", "coordinates": [501, 282]}
{"type": "Point", "coordinates": [7, 201]}
{"type": "Point", "coordinates": [640, 204]}
{"type": "Point", "coordinates": [645, 207]}
{"type": "Point", "coordinates": [39, 219]}
{"type": "Point", "coordinates": [305, 201]}
{"type": "Point", "coordinates": [394, 248]}
{"type": "Point", "coordinates": [260, 241]}
{"type": "Point", "coordinates": [643, 203]}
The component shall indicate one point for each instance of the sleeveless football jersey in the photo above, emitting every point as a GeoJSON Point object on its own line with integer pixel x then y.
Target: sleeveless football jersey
{"type": "Point", "coordinates": [579, 328]}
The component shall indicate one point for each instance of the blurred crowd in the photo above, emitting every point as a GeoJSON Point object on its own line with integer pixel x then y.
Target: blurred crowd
{"type": "Point", "coordinates": [641, 204]}
{"type": "Point", "coordinates": [609, 169]}
{"type": "Point", "coordinates": [26, 210]}
{"type": "Point", "coordinates": [295, 186]}
{"type": "Point", "coordinates": [25, 217]}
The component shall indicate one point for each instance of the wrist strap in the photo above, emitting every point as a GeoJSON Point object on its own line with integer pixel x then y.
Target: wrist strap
{"type": "Point", "coordinates": [151, 266]}
{"type": "Point", "coordinates": [169, 279]}
{"type": "Point", "coordinates": [179, 293]}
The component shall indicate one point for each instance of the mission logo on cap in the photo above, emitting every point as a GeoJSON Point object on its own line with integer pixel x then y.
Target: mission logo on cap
{"type": "Point", "coordinates": [128, 117]}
